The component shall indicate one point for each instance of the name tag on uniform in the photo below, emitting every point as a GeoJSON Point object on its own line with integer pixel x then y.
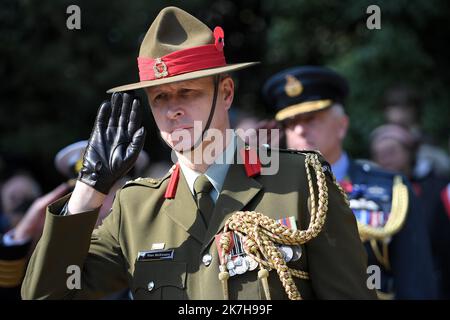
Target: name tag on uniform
{"type": "Point", "coordinates": [155, 255]}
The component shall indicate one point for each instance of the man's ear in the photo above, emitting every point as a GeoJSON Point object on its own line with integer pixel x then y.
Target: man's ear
{"type": "Point", "coordinates": [227, 91]}
{"type": "Point", "coordinates": [344, 120]}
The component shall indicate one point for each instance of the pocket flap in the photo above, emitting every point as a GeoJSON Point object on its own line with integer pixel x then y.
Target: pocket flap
{"type": "Point", "coordinates": [152, 275]}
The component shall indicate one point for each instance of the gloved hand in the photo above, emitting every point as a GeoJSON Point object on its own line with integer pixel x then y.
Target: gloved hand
{"type": "Point", "coordinates": [115, 142]}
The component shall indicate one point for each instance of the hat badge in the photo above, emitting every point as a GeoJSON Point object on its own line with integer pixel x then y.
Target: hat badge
{"type": "Point", "coordinates": [160, 69]}
{"type": "Point", "coordinates": [293, 86]}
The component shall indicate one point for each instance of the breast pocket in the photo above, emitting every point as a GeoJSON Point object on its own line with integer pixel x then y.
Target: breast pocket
{"type": "Point", "coordinates": [155, 280]}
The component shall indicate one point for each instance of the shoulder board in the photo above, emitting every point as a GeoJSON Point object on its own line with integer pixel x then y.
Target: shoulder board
{"type": "Point", "coordinates": [147, 182]}
{"type": "Point", "coordinates": [294, 151]}
{"type": "Point", "coordinates": [325, 165]}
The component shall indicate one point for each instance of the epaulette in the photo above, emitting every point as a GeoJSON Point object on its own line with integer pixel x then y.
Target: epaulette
{"type": "Point", "coordinates": [295, 151]}
{"type": "Point", "coordinates": [148, 182]}
{"type": "Point", "coordinates": [325, 165]}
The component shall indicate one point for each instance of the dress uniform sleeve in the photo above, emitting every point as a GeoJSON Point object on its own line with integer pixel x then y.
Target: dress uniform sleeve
{"type": "Point", "coordinates": [13, 258]}
{"type": "Point", "coordinates": [73, 262]}
{"type": "Point", "coordinates": [411, 258]}
{"type": "Point", "coordinates": [337, 260]}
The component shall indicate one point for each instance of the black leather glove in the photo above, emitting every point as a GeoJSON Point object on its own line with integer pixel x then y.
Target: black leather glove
{"type": "Point", "coordinates": [115, 142]}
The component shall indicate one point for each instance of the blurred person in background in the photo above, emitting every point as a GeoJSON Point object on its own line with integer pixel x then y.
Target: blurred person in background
{"type": "Point", "coordinates": [403, 106]}
{"type": "Point", "coordinates": [309, 103]}
{"type": "Point", "coordinates": [247, 125]}
{"type": "Point", "coordinates": [17, 194]}
{"type": "Point", "coordinates": [394, 148]}
{"type": "Point", "coordinates": [158, 169]}
{"type": "Point", "coordinates": [23, 214]}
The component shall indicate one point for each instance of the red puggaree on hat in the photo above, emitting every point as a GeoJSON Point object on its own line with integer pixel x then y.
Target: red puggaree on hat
{"type": "Point", "coordinates": [180, 47]}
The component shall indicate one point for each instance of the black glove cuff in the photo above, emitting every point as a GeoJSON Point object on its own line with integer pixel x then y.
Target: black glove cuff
{"type": "Point", "coordinates": [91, 179]}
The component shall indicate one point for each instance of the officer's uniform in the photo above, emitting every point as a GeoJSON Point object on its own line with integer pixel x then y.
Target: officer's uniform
{"type": "Point", "coordinates": [13, 254]}
{"type": "Point", "coordinates": [389, 218]}
{"type": "Point", "coordinates": [371, 194]}
{"type": "Point", "coordinates": [155, 240]}
{"type": "Point", "coordinates": [142, 219]}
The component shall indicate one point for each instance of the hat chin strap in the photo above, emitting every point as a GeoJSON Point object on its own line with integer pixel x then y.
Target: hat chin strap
{"type": "Point", "coordinates": [211, 114]}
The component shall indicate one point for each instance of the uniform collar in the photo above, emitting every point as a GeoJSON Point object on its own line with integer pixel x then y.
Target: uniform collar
{"type": "Point", "coordinates": [216, 172]}
{"type": "Point", "coordinates": [340, 167]}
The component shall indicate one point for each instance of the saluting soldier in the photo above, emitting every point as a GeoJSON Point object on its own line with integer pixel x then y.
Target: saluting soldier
{"type": "Point", "coordinates": [309, 103]}
{"type": "Point", "coordinates": [215, 228]}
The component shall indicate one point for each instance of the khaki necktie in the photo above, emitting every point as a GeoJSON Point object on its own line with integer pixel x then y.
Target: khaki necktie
{"type": "Point", "coordinates": [202, 189]}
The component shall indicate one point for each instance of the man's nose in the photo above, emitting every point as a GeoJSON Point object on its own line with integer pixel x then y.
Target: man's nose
{"type": "Point", "coordinates": [174, 112]}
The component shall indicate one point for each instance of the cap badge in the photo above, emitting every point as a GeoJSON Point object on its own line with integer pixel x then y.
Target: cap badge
{"type": "Point", "coordinates": [293, 86]}
{"type": "Point", "coordinates": [160, 69]}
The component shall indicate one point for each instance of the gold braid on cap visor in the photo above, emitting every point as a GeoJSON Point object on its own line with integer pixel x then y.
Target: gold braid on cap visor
{"type": "Point", "coordinates": [303, 107]}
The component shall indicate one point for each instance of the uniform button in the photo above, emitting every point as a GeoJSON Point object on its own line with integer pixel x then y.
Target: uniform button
{"type": "Point", "coordinates": [207, 258]}
{"type": "Point", "coordinates": [366, 167]}
{"type": "Point", "coordinates": [150, 286]}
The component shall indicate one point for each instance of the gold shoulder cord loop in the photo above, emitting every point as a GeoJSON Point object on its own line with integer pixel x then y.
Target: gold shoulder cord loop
{"type": "Point", "coordinates": [397, 216]}
{"type": "Point", "coordinates": [382, 257]}
{"type": "Point", "coordinates": [396, 220]}
{"type": "Point", "coordinates": [260, 234]}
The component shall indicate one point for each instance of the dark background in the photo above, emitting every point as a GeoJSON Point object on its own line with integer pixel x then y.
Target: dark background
{"type": "Point", "coordinates": [54, 79]}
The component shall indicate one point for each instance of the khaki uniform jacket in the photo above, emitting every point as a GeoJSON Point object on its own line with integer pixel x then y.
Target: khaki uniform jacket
{"type": "Point", "coordinates": [141, 216]}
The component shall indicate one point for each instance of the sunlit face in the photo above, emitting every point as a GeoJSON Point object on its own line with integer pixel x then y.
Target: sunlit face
{"type": "Point", "coordinates": [176, 106]}
{"type": "Point", "coordinates": [392, 155]}
{"type": "Point", "coordinates": [321, 130]}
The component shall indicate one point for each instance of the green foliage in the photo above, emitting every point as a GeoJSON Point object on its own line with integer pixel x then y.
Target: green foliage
{"type": "Point", "coordinates": [54, 79]}
{"type": "Point", "coordinates": [410, 48]}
